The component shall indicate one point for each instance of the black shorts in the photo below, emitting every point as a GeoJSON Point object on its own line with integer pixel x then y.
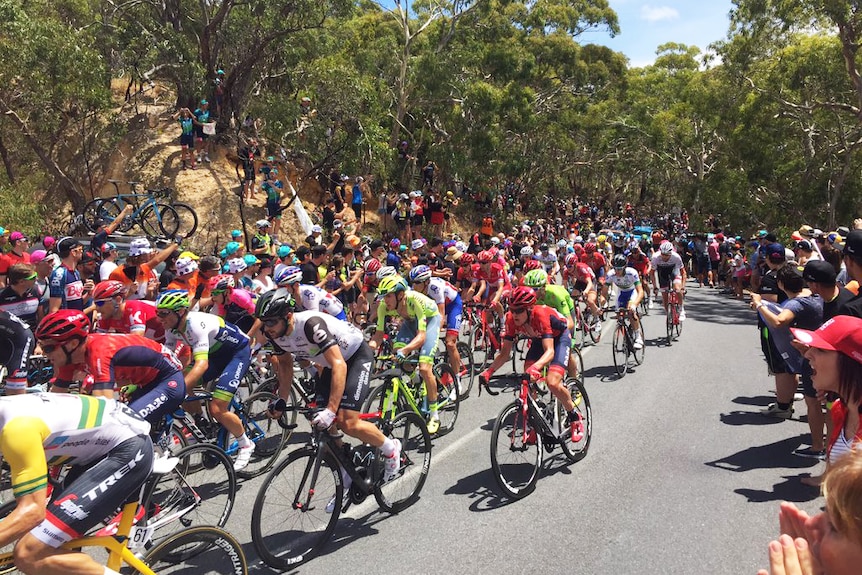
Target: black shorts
{"type": "Point", "coordinates": [187, 140]}
{"type": "Point", "coordinates": [249, 175]}
{"type": "Point", "coordinates": [807, 383]}
{"type": "Point", "coordinates": [356, 384]}
{"type": "Point", "coordinates": [774, 361]}
{"type": "Point", "coordinates": [114, 479]}
{"type": "Point", "coordinates": [417, 220]}
{"type": "Point", "coordinates": [357, 210]}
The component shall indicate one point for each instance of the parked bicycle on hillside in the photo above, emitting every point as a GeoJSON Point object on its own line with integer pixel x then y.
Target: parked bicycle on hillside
{"type": "Point", "coordinates": [154, 211]}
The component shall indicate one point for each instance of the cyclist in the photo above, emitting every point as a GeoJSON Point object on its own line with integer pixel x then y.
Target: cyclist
{"type": "Point", "coordinates": [339, 349]}
{"type": "Point", "coordinates": [464, 276]}
{"type": "Point", "coordinates": [220, 352]}
{"type": "Point", "coordinates": [151, 373]}
{"type": "Point", "coordinates": [420, 329]}
{"type": "Point", "coordinates": [640, 262]}
{"type": "Point", "coordinates": [597, 262]}
{"type": "Point", "coordinates": [668, 273]}
{"type": "Point", "coordinates": [236, 306]}
{"type": "Point", "coordinates": [489, 285]}
{"type": "Point", "coordinates": [309, 297]}
{"type": "Point", "coordinates": [548, 260]}
{"type": "Point", "coordinates": [16, 346]}
{"type": "Point", "coordinates": [111, 454]}
{"type": "Point", "coordinates": [118, 315]}
{"type": "Point", "coordinates": [631, 293]}
{"type": "Point", "coordinates": [449, 304]}
{"type": "Point", "coordinates": [556, 297]}
{"type": "Point", "coordinates": [550, 346]}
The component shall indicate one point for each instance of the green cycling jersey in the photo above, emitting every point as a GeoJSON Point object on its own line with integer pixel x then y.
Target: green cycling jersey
{"type": "Point", "coordinates": [419, 307]}
{"type": "Point", "coordinates": [558, 298]}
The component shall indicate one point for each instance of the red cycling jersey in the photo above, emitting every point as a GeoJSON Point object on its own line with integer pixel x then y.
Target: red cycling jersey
{"type": "Point", "coordinates": [494, 276]}
{"type": "Point", "coordinates": [596, 261]}
{"type": "Point", "coordinates": [580, 273]}
{"type": "Point", "coordinates": [114, 358]}
{"type": "Point", "coordinates": [639, 263]}
{"type": "Point", "coordinates": [139, 317]}
{"type": "Point", "coordinates": [544, 322]}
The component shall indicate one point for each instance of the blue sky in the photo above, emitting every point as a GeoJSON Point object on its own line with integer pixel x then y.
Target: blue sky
{"type": "Point", "coordinates": [646, 24]}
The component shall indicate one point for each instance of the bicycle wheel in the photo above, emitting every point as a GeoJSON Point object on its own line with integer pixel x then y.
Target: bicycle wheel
{"type": "Point", "coordinates": [402, 491]}
{"type": "Point", "coordinates": [203, 551]}
{"type": "Point", "coordinates": [677, 324]}
{"type": "Point", "coordinates": [480, 345]}
{"type": "Point", "coordinates": [620, 351]}
{"type": "Point", "coordinates": [581, 327]}
{"type": "Point", "coordinates": [188, 219]}
{"type": "Point", "coordinates": [192, 494]}
{"type": "Point", "coordinates": [468, 368]}
{"type": "Point", "coordinates": [289, 522]}
{"type": "Point", "coordinates": [148, 220]}
{"type": "Point", "coordinates": [595, 332]}
{"type": "Point", "coordinates": [516, 452]}
{"type": "Point", "coordinates": [638, 354]}
{"type": "Point", "coordinates": [575, 442]}
{"type": "Point", "coordinates": [448, 397]}
{"type": "Point", "coordinates": [668, 321]}
{"type": "Point", "coordinates": [269, 436]}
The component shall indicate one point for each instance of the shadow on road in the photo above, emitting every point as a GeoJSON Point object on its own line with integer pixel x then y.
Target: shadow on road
{"type": "Point", "coordinates": [771, 456]}
{"type": "Point", "coordinates": [759, 400]}
{"type": "Point", "coordinates": [720, 310]}
{"type": "Point", "coordinates": [603, 372]}
{"type": "Point", "coordinates": [747, 418]}
{"type": "Point", "coordinates": [791, 489]}
{"type": "Point", "coordinates": [481, 489]}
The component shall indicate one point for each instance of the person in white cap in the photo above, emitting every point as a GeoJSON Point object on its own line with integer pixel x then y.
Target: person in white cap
{"type": "Point", "coordinates": [261, 243]}
{"type": "Point", "coordinates": [139, 268]}
{"type": "Point", "coordinates": [316, 238]}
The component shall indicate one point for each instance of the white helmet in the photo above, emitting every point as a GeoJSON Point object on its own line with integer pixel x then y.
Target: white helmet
{"type": "Point", "coordinates": [526, 251]}
{"type": "Point", "coordinates": [386, 271]}
{"type": "Point", "coordinates": [666, 247]}
{"type": "Point", "coordinates": [562, 244]}
{"type": "Point", "coordinates": [186, 266]}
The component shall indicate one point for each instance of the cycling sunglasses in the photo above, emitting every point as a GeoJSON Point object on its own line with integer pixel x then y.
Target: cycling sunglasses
{"type": "Point", "coordinates": [518, 310]}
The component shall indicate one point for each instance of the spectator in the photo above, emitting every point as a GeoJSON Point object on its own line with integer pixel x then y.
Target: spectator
{"type": "Point", "coordinates": [65, 286]}
{"type": "Point", "coordinates": [315, 239]}
{"type": "Point", "coordinates": [202, 116]}
{"type": "Point", "coordinates": [853, 263]}
{"type": "Point", "coordinates": [428, 174]}
{"type": "Point", "coordinates": [261, 243]}
{"type": "Point", "coordinates": [309, 270]}
{"type": "Point", "coordinates": [320, 260]}
{"type": "Point", "coordinates": [247, 155]}
{"type": "Point", "coordinates": [187, 137]}
{"type": "Point", "coordinates": [110, 254]}
{"type": "Point", "coordinates": [17, 255]}
{"type": "Point", "coordinates": [356, 198]}
{"type": "Point", "coordinates": [138, 271]}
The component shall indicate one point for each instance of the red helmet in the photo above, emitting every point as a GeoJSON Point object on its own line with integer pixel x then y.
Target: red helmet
{"type": "Point", "coordinates": [571, 260]}
{"type": "Point", "coordinates": [108, 289]}
{"type": "Point", "coordinates": [590, 248]}
{"type": "Point", "coordinates": [63, 325]}
{"type": "Point", "coordinates": [485, 257]}
{"type": "Point", "coordinates": [579, 249]}
{"type": "Point", "coordinates": [467, 259]}
{"type": "Point", "coordinates": [522, 296]}
{"type": "Point", "coordinates": [222, 282]}
{"type": "Point", "coordinates": [372, 265]}
{"type": "Point", "coordinates": [531, 265]}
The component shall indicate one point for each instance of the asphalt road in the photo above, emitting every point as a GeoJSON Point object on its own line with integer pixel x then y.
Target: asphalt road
{"type": "Point", "coordinates": [683, 475]}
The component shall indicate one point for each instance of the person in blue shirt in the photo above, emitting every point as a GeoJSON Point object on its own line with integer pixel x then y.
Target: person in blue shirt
{"type": "Point", "coordinates": [202, 115]}
{"type": "Point", "coordinates": [356, 200]}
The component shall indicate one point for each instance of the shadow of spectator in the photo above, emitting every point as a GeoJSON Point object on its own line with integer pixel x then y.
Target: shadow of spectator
{"type": "Point", "coordinates": [791, 489]}
{"type": "Point", "coordinates": [771, 456]}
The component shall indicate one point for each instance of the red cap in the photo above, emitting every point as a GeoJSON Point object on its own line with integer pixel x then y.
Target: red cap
{"type": "Point", "coordinates": [842, 333]}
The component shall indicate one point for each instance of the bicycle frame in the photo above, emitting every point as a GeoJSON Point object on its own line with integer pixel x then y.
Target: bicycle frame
{"type": "Point", "coordinates": [531, 411]}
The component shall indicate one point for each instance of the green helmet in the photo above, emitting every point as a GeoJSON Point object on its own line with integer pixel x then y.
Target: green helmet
{"type": "Point", "coordinates": [536, 279]}
{"type": "Point", "coordinates": [174, 300]}
{"type": "Point", "coordinates": [391, 284]}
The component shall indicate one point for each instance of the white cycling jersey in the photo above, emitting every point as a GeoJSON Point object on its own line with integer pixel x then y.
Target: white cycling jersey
{"type": "Point", "coordinates": [672, 268]}
{"type": "Point", "coordinates": [441, 291]}
{"type": "Point", "coordinates": [205, 334]}
{"type": "Point", "coordinates": [548, 260]}
{"type": "Point", "coordinates": [313, 298]}
{"type": "Point", "coordinates": [627, 281]}
{"type": "Point", "coordinates": [315, 332]}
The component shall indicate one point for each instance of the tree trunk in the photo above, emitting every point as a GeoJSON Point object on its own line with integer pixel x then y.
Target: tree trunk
{"type": "Point", "coordinates": [7, 161]}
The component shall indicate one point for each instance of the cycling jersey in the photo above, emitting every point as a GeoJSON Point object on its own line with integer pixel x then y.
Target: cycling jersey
{"type": "Point", "coordinates": [205, 334]}
{"type": "Point", "coordinates": [420, 308]}
{"type": "Point", "coordinates": [313, 298]}
{"type": "Point", "coordinates": [114, 358]}
{"type": "Point", "coordinates": [639, 263]}
{"type": "Point", "coordinates": [667, 270]}
{"type": "Point", "coordinates": [16, 345]}
{"type": "Point", "coordinates": [138, 318]}
{"type": "Point", "coordinates": [597, 263]}
{"type": "Point", "coordinates": [544, 322]}
{"type": "Point", "coordinates": [66, 284]}
{"type": "Point", "coordinates": [239, 310]}
{"type": "Point", "coordinates": [558, 298]}
{"type": "Point", "coordinates": [23, 305]}
{"type": "Point", "coordinates": [315, 332]}
{"type": "Point", "coordinates": [626, 281]}
{"type": "Point", "coordinates": [41, 429]}
{"type": "Point", "coordinates": [549, 260]}
{"type": "Point", "coordinates": [441, 291]}
{"type": "Point", "coordinates": [495, 274]}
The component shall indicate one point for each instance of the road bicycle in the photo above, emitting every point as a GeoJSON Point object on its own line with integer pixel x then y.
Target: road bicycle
{"type": "Point", "coordinates": [532, 424]}
{"type": "Point", "coordinates": [193, 551]}
{"type": "Point", "coordinates": [468, 368]}
{"type": "Point", "coordinates": [586, 326]}
{"type": "Point", "coordinates": [624, 352]}
{"type": "Point", "coordinates": [290, 523]}
{"type": "Point", "coordinates": [482, 335]}
{"type": "Point", "coordinates": [522, 345]}
{"type": "Point", "coordinates": [672, 320]}
{"type": "Point", "coordinates": [402, 390]}
{"type": "Point", "coordinates": [150, 213]}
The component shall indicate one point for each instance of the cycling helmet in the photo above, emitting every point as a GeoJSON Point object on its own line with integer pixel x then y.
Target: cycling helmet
{"type": "Point", "coordinates": [186, 266]}
{"type": "Point", "coordinates": [108, 289]}
{"type": "Point", "coordinates": [666, 247]}
{"type": "Point", "coordinates": [221, 282]}
{"type": "Point", "coordinates": [530, 265]}
{"type": "Point", "coordinates": [527, 251]}
{"type": "Point", "coordinates": [274, 304]}
{"type": "Point", "coordinates": [467, 259]}
{"type": "Point", "coordinates": [522, 296]}
{"type": "Point", "coordinates": [562, 244]}
{"type": "Point", "coordinates": [619, 261]}
{"type": "Point", "coordinates": [395, 243]}
{"type": "Point", "coordinates": [236, 265]}
{"type": "Point", "coordinates": [174, 300]}
{"type": "Point", "coordinates": [590, 248]}
{"type": "Point", "coordinates": [579, 250]}
{"type": "Point", "coordinates": [495, 240]}
{"type": "Point", "coordinates": [391, 284]}
{"type": "Point", "coordinates": [371, 266]}
{"type": "Point", "coordinates": [420, 274]}
{"type": "Point", "coordinates": [571, 260]}
{"type": "Point", "coordinates": [536, 279]}
{"type": "Point", "coordinates": [485, 257]}
{"type": "Point", "coordinates": [63, 325]}
{"type": "Point", "coordinates": [543, 247]}
{"type": "Point", "coordinates": [287, 276]}
{"type": "Point", "coordinates": [386, 271]}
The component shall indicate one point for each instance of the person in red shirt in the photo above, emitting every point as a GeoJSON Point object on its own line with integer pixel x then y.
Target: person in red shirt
{"type": "Point", "coordinates": [17, 255]}
{"type": "Point", "coordinates": [550, 346]}
{"type": "Point", "coordinates": [641, 263]}
{"type": "Point", "coordinates": [116, 315]}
